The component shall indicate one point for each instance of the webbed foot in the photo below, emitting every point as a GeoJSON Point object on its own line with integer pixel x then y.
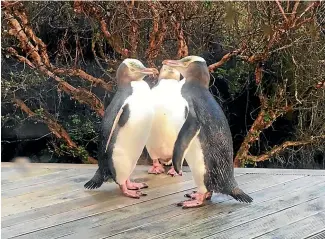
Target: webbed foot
{"type": "Point", "coordinates": [130, 193]}
{"type": "Point", "coordinates": [173, 173]}
{"type": "Point", "coordinates": [135, 186]}
{"type": "Point", "coordinates": [195, 194]}
{"type": "Point", "coordinates": [156, 168]}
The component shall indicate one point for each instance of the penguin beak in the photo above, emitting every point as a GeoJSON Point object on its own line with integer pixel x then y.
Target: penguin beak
{"type": "Point", "coordinates": [149, 71]}
{"type": "Point", "coordinates": [173, 63]}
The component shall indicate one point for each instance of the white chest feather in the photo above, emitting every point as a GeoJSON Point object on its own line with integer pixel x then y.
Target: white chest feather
{"type": "Point", "coordinates": [169, 116]}
{"type": "Point", "coordinates": [132, 137]}
{"type": "Point", "coordinates": [195, 158]}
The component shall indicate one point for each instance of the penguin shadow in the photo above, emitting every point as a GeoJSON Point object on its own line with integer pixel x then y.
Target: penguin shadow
{"type": "Point", "coordinates": [108, 191]}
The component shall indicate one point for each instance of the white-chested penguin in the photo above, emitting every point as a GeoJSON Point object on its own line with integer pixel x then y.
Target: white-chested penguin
{"type": "Point", "coordinates": [205, 138]}
{"type": "Point", "coordinates": [125, 128]}
{"type": "Point", "coordinates": [168, 119]}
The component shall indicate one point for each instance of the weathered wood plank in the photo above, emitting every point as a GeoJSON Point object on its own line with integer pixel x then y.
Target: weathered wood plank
{"type": "Point", "coordinates": [14, 189]}
{"type": "Point", "coordinates": [64, 209]}
{"type": "Point", "coordinates": [156, 211]}
{"type": "Point", "coordinates": [208, 220]}
{"type": "Point", "coordinates": [16, 174]}
{"type": "Point", "coordinates": [101, 207]}
{"type": "Point", "coordinates": [157, 214]}
{"type": "Point", "coordinates": [296, 228]}
{"type": "Point", "coordinates": [318, 235]}
{"type": "Point", "coordinates": [105, 200]}
{"type": "Point", "coordinates": [72, 191]}
{"type": "Point", "coordinates": [103, 194]}
{"type": "Point", "coordinates": [274, 220]}
{"type": "Point", "coordinates": [56, 176]}
{"type": "Point", "coordinates": [273, 171]}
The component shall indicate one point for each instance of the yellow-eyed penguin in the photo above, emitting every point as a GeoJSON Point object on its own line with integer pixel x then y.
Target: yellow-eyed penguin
{"type": "Point", "coordinates": [168, 119]}
{"type": "Point", "coordinates": [205, 138]}
{"type": "Point", "coordinates": [125, 128]}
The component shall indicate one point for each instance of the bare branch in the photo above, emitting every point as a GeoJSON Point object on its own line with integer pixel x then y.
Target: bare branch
{"type": "Point", "coordinates": [22, 59]}
{"type": "Point", "coordinates": [224, 59]}
{"type": "Point", "coordinates": [281, 10]}
{"type": "Point", "coordinates": [277, 149]}
{"type": "Point", "coordinates": [53, 125]}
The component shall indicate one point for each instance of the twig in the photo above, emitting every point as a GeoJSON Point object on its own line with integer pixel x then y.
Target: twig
{"type": "Point", "coordinates": [281, 10]}
{"type": "Point", "coordinates": [224, 59]}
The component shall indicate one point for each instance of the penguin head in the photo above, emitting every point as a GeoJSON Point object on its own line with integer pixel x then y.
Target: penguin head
{"type": "Point", "coordinates": [133, 70]}
{"type": "Point", "coordinates": [167, 72]}
{"type": "Point", "coordinates": [193, 68]}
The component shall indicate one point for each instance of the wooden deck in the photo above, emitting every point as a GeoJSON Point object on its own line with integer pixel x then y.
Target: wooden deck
{"type": "Point", "coordinates": [49, 201]}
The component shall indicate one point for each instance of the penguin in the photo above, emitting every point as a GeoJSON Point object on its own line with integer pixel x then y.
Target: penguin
{"type": "Point", "coordinates": [205, 138]}
{"type": "Point", "coordinates": [169, 116]}
{"type": "Point", "coordinates": [125, 129]}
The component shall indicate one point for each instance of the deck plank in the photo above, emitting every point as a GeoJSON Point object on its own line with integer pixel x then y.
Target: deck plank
{"type": "Point", "coordinates": [212, 218]}
{"type": "Point", "coordinates": [107, 197]}
{"type": "Point", "coordinates": [50, 202]}
{"type": "Point", "coordinates": [188, 223]}
{"type": "Point", "coordinates": [274, 220]}
{"type": "Point", "coordinates": [268, 216]}
{"type": "Point", "coordinates": [299, 228]}
{"type": "Point", "coordinates": [69, 189]}
{"type": "Point", "coordinates": [107, 191]}
{"type": "Point", "coordinates": [158, 219]}
{"type": "Point", "coordinates": [168, 198]}
{"type": "Point", "coordinates": [318, 235]}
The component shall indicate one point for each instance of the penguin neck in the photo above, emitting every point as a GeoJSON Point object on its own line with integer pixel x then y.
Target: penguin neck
{"type": "Point", "coordinates": [198, 75]}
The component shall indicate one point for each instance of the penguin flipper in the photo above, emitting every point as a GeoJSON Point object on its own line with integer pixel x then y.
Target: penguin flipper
{"type": "Point", "coordinates": [96, 181]}
{"type": "Point", "coordinates": [240, 196]}
{"type": "Point", "coordinates": [190, 129]}
{"type": "Point", "coordinates": [115, 122]}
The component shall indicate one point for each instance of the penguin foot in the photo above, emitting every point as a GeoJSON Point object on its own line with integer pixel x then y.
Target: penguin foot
{"type": "Point", "coordinates": [156, 168]}
{"type": "Point", "coordinates": [130, 193]}
{"type": "Point", "coordinates": [135, 186]}
{"type": "Point", "coordinates": [173, 173]}
{"type": "Point", "coordinates": [197, 202]}
{"type": "Point", "coordinates": [195, 195]}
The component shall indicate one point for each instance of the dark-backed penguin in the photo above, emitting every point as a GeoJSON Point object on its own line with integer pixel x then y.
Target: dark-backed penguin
{"type": "Point", "coordinates": [205, 138]}
{"type": "Point", "coordinates": [125, 128]}
{"type": "Point", "coordinates": [168, 119]}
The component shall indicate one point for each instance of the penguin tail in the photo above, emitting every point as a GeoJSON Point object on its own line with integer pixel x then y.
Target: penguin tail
{"type": "Point", "coordinates": [240, 196]}
{"type": "Point", "coordinates": [96, 181]}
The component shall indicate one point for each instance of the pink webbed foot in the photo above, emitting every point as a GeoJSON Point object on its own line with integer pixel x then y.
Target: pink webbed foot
{"type": "Point", "coordinates": [135, 186]}
{"type": "Point", "coordinates": [156, 168]}
{"type": "Point", "coordinates": [195, 194]}
{"type": "Point", "coordinates": [198, 201]}
{"type": "Point", "coordinates": [173, 173]}
{"type": "Point", "coordinates": [129, 193]}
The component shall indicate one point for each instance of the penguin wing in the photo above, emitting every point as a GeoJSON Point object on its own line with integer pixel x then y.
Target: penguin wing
{"type": "Point", "coordinates": [190, 129]}
{"type": "Point", "coordinates": [116, 120]}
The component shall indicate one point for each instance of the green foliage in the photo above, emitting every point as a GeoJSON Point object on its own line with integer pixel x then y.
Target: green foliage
{"type": "Point", "coordinates": [79, 152]}
{"type": "Point", "coordinates": [39, 112]}
{"type": "Point", "coordinates": [82, 129]}
{"type": "Point", "coordinates": [235, 76]}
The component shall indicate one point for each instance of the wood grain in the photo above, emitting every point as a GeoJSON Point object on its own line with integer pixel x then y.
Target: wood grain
{"type": "Point", "coordinates": [50, 202]}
